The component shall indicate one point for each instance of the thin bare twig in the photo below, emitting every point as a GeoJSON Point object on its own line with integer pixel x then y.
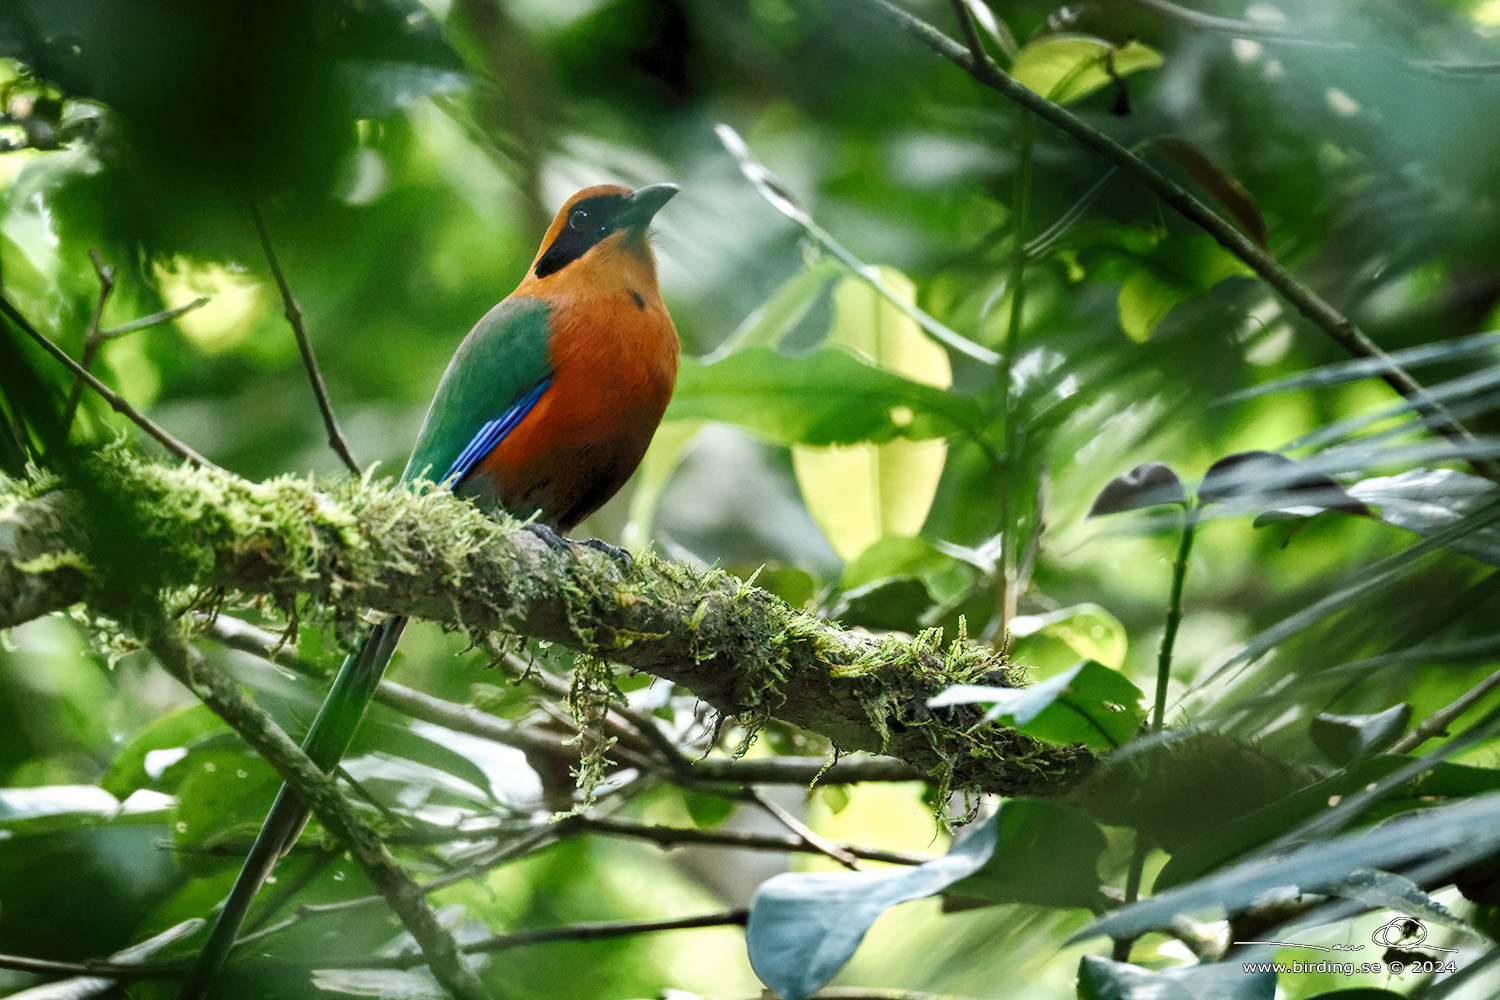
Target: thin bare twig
{"type": "Point", "coordinates": [1437, 723]}
{"type": "Point", "coordinates": [95, 335]}
{"type": "Point", "coordinates": [805, 833]}
{"type": "Point", "coordinates": [1338, 327]}
{"type": "Point", "coordinates": [309, 360]}
{"type": "Point", "coordinates": [601, 931]}
{"type": "Point", "coordinates": [91, 338]}
{"type": "Point", "coordinates": [673, 836]}
{"type": "Point", "coordinates": [160, 316]}
{"type": "Point", "coordinates": [114, 399]}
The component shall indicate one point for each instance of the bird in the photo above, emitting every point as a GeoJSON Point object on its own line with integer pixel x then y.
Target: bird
{"type": "Point", "coordinates": [544, 411]}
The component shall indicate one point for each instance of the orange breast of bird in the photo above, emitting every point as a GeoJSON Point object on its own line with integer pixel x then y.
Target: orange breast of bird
{"type": "Point", "coordinates": [613, 353]}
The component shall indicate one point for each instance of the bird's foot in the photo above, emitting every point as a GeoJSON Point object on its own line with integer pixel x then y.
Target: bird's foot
{"type": "Point", "coordinates": [555, 542]}
{"type": "Point", "coordinates": [561, 543]}
{"type": "Point", "coordinates": [613, 551]}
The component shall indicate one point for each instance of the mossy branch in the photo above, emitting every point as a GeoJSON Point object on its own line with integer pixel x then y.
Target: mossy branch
{"type": "Point", "coordinates": [438, 949]}
{"type": "Point", "coordinates": [192, 535]}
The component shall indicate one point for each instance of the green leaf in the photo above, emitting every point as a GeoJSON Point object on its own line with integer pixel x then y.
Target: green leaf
{"type": "Point", "coordinates": [945, 576]}
{"type": "Point", "coordinates": [1100, 978]}
{"type": "Point", "coordinates": [170, 732]}
{"type": "Point", "coordinates": [222, 794]}
{"type": "Point", "coordinates": [1046, 854]}
{"type": "Point", "coordinates": [1457, 834]}
{"type": "Point", "coordinates": [53, 808]}
{"type": "Point", "coordinates": [707, 810]}
{"type": "Point", "coordinates": [1174, 271]}
{"type": "Point", "coordinates": [863, 492]}
{"type": "Point", "coordinates": [779, 323]}
{"type": "Point", "coordinates": [1090, 704]}
{"type": "Point", "coordinates": [804, 928]}
{"type": "Point", "coordinates": [1089, 630]}
{"type": "Point", "coordinates": [1345, 737]}
{"type": "Point", "coordinates": [1433, 501]}
{"type": "Point", "coordinates": [1068, 67]}
{"type": "Point", "coordinates": [895, 603]}
{"type": "Point", "coordinates": [831, 397]}
{"type": "Point", "coordinates": [1151, 484]}
{"type": "Point", "coordinates": [402, 741]}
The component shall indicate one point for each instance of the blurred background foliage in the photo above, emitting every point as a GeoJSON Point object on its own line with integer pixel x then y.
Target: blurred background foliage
{"type": "Point", "coordinates": [407, 157]}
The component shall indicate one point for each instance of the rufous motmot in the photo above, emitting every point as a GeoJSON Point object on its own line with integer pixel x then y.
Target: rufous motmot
{"type": "Point", "coordinates": [544, 412]}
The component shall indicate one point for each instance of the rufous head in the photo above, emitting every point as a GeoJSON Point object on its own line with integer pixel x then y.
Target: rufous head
{"type": "Point", "coordinates": [601, 221]}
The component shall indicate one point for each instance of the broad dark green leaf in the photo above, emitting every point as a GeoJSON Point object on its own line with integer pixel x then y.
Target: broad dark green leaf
{"type": "Point", "coordinates": [1150, 484]}
{"type": "Point", "coordinates": [831, 397]}
{"type": "Point", "coordinates": [173, 731]}
{"type": "Point", "coordinates": [1046, 854]}
{"type": "Point", "coordinates": [1101, 979]}
{"type": "Point", "coordinates": [1089, 704]}
{"type": "Point", "coordinates": [1445, 838]}
{"type": "Point", "coordinates": [804, 928]}
{"type": "Point", "coordinates": [1264, 480]}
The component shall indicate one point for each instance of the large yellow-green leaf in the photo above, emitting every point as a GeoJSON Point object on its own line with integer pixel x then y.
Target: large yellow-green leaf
{"type": "Point", "coordinates": [1068, 67]}
{"type": "Point", "coordinates": [859, 493]}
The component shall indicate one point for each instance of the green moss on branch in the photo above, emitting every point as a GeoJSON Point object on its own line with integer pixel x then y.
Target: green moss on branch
{"type": "Point", "coordinates": [186, 534]}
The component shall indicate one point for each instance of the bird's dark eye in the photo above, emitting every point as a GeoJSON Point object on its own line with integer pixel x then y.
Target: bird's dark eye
{"type": "Point", "coordinates": [579, 219]}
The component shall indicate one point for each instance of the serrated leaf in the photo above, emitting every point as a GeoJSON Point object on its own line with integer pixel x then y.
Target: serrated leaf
{"type": "Point", "coordinates": [1090, 704]}
{"type": "Point", "coordinates": [1345, 737]}
{"type": "Point", "coordinates": [1068, 67]}
{"type": "Point", "coordinates": [804, 928]}
{"type": "Point", "coordinates": [1087, 629]}
{"type": "Point", "coordinates": [1150, 484]}
{"type": "Point", "coordinates": [863, 492]}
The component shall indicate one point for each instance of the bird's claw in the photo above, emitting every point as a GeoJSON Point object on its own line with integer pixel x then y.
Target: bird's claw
{"type": "Point", "coordinates": [555, 542]}
{"type": "Point", "coordinates": [613, 551]}
{"type": "Point", "coordinates": [561, 543]}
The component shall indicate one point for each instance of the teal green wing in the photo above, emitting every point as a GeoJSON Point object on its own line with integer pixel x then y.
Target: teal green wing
{"type": "Point", "coordinates": [496, 376]}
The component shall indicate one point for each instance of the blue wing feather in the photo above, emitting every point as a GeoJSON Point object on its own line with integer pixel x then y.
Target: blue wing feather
{"type": "Point", "coordinates": [491, 434]}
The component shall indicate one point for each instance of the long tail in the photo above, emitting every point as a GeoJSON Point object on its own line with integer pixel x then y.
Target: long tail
{"type": "Point", "coordinates": [325, 744]}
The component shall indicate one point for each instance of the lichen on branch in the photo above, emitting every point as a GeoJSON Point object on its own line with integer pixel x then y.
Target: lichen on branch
{"type": "Point", "coordinates": [180, 534]}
